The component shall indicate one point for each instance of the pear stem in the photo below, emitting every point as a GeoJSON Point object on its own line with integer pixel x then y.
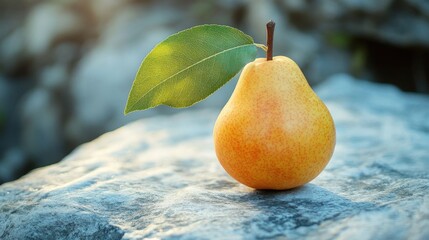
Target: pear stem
{"type": "Point", "coordinates": [270, 38]}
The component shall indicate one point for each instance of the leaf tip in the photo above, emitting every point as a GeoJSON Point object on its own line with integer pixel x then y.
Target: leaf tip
{"type": "Point", "coordinates": [128, 108]}
{"type": "Point", "coordinates": [126, 111]}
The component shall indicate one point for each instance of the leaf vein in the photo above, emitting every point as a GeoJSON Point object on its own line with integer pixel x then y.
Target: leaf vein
{"type": "Point", "coordinates": [187, 68]}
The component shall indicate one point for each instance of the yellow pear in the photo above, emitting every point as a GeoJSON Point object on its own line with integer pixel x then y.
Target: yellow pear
{"type": "Point", "coordinates": [274, 132]}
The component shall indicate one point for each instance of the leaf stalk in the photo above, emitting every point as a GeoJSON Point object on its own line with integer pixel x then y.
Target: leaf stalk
{"type": "Point", "coordinates": [261, 46]}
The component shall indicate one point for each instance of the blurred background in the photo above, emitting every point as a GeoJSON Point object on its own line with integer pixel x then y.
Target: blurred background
{"type": "Point", "coordinates": [66, 66]}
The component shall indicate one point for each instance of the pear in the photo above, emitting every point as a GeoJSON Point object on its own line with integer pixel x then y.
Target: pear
{"type": "Point", "coordinates": [274, 132]}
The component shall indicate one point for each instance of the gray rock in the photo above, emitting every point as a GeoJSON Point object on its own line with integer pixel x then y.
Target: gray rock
{"type": "Point", "coordinates": [42, 131]}
{"type": "Point", "coordinates": [4, 93]}
{"type": "Point", "coordinates": [327, 62]}
{"type": "Point", "coordinates": [100, 85]}
{"type": "Point", "coordinates": [13, 161]}
{"type": "Point", "coordinates": [12, 164]}
{"type": "Point", "coordinates": [402, 24]}
{"type": "Point", "coordinates": [421, 6]}
{"type": "Point", "coordinates": [12, 50]}
{"type": "Point", "coordinates": [366, 5]}
{"type": "Point", "coordinates": [54, 78]}
{"type": "Point", "coordinates": [103, 10]}
{"type": "Point", "coordinates": [400, 28]}
{"type": "Point", "coordinates": [41, 31]}
{"type": "Point", "coordinates": [4, 99]}
{"type": "Point", "coordinates": [159, 178]}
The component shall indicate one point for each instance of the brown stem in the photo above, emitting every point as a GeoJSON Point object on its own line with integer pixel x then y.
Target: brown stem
{"type": "Point", "coordinates": [270, 37]}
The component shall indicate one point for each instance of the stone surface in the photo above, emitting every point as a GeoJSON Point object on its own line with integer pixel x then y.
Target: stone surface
{"type": "Point", "coordinates": [159, 178]}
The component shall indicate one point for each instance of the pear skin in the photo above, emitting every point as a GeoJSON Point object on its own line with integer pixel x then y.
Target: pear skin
{"type": "Point", "coordinates": [274, 132]}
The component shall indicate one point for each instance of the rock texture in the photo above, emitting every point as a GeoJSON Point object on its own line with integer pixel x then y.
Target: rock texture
{"type": "Point", "coordinates": [159, 178]}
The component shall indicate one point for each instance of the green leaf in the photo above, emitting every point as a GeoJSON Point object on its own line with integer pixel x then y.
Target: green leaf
{"type": "Point", "coordinates": [189, 66]}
